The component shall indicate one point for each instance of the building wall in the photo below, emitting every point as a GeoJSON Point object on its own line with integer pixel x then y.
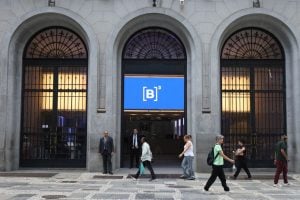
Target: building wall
{"type": "Point", "coordinates": [105, 25]}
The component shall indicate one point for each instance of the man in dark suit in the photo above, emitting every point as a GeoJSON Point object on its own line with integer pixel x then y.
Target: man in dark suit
{"type": "Point", "coordinates": [135, 148]}
{"type": "Point", "coordinates": [106, 148]}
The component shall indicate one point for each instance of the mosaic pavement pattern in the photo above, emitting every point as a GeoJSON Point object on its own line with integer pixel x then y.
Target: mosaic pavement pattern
{"type": "Point", "coordinates": [76, 186]}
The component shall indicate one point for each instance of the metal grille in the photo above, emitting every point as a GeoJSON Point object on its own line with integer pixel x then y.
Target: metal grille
{"type": "Point", "coordinates": [56, 43]}
{"type": "Point", "coordinates": [253, 101]}
{"type": "Point", "coordinates": [54, 117]}
{"type": "Point", "coordinates": [252, 43]}
{"type": "Point", "coordinates": [154, 43]}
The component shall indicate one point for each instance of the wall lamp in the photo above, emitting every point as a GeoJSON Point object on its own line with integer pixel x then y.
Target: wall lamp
{"type": "Point", "coordinates": [51, 3]}
{"type": "Point", "coordinates": [256, 4]}
{"type": "Point", "coordinates": [154, 3]}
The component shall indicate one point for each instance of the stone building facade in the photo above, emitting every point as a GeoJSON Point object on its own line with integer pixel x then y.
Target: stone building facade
{"type": "Point", "coordinates": [104, 27]}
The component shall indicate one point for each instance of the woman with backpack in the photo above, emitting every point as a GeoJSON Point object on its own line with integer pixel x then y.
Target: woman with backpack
{"type": "Point", "coordinates": [187, 162]}
{"type": "Point", "coordinates": [217, 165]}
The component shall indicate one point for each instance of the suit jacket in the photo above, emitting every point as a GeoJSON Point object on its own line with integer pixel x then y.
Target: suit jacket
{"type": "Point", "coordinates": [109, 145]}
{"type": "Point", "coordinates": [138, 141]}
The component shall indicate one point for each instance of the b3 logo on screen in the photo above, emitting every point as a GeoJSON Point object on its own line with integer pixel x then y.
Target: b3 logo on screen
{"type": "Point", "coordinates": [151, 94]}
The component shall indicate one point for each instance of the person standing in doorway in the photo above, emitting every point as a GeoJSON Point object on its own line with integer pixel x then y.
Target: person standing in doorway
{"type": "Point", "coordinates": [241, 159]}
{"type": "Point", "coordinates": [135, 147]}
{"type": "Point", "coordinates": [187, 162]}
{"type": "Point", "coordinates": [281, 160]}
{"type": "Point", "coordinates": [217, 167]}
{"type": "Point", "coordinates": [146, 158]}
{"type": "Point", "coordinates": [106, 148]}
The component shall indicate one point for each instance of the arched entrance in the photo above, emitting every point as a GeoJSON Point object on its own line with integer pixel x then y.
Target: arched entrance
{"type": "Point", "coordinates": [54, 98]}
{"type": "Point", "coordinates": [253, 93]}
{"type": "Point", "coordinates": [154, 92]}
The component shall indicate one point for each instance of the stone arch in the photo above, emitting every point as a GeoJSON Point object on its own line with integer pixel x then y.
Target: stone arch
{"type": "Point", "coordinates": [163, 18]}
{"type": "Point", "coordinates": [283, 31]}
{"type": "Point", "coordinates": [14, 44]}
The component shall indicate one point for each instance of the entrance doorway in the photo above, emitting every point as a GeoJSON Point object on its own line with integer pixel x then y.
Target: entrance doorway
{"type": "Point", "coordinates": [154, 94]}
{"type": "Point", "coordinates": [54, 96]}
{"type": "Point", "coordinates": [253, 93]}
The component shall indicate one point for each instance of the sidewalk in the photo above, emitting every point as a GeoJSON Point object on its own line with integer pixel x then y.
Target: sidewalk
{"type": "Point", "coordinates": [76, 184]}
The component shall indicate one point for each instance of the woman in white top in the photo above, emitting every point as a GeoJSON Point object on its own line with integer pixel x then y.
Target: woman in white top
{"type": "Point", "coordinates": [187, 162]}
{"type": "Point", "coordinates": [146, 159]}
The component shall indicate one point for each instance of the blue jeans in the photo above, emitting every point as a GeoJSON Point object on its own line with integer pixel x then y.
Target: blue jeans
{"type": "Point", "coordinates": [187, 166]}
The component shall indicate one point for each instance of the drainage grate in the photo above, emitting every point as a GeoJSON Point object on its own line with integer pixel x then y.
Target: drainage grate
{"type": "Point", "coordinates": [108, 177]}
{"type": "Point", "coordinates": [178, 186]}
{"type": "Point", "coordinates": [69, 181]}
{"type": "Point", "coordinates": [259, 177]}
{"type": "Point", "coordinates": [19, 174]}
{"type": "Point", "coordinates": [160, 176]}
{"type": "Point", "coordinates": [53, 196]}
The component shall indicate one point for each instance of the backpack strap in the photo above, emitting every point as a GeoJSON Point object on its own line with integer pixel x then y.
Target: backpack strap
{"type": "Point", "coordinates": [216, 155]}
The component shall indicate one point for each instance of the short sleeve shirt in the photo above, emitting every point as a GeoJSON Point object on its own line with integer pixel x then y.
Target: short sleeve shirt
{"type": "Point", "coordinates": [280, 145]}
{"type": "Point", "coordinates": [219, 161]}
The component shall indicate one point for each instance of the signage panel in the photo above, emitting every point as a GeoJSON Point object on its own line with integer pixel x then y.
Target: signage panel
{"type": "Point", "coordinates": [153, 93]}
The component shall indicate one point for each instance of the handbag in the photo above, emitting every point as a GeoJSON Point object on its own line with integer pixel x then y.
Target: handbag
{"type": "Point", "coordinates": [141, 168]}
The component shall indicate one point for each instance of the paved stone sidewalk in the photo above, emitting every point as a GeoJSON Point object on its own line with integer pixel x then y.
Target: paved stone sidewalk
{"type": "Point", "coordinates": [83, 185]}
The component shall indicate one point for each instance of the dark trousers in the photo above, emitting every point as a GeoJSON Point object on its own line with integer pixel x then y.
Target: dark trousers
{"type": "Point", "coordinates": [217, 171]}
{"type": "Point", "coordinates": [281, 166]}
{"type": "Point", "coordinates": [149, 166]}
{"type": "Point", "coordinates": [107, 167]}
{"type": "Point", "coordinates": [241, 163]}
{"type": "Point", "coordinates": [134, 154]}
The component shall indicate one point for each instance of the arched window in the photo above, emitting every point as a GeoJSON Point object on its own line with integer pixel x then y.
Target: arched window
{"type": "Point", "coordinates": [253, 93]}
{"type": "Point", "coordinates": [154, 43]}
{"type": "Point", "coordinates": [53, 132]}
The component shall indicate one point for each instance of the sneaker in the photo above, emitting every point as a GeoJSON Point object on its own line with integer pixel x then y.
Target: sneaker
{"type": "Point", "coordinates": [286, 184]}
{"type": "Point", "coordinates": [276, 185]}
{"type": "Point", "coordinates": [206, 189]}
{"type": "Point", "coordinates": [183, 176]}
{"type": "Point", "coordinates": [152, 179]}
{"type": "Point", "coordinates": [226, 189]}
{"type": "Point", "coordinates": [110, 173]}
{"type": "Point", "coordinates": [190, 178]}
{"type": "Point", "coordinates": [133, 177]}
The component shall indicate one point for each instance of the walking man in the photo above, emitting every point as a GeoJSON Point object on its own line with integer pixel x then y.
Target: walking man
{"type": "Point", "coordinates": [217, 167]}
{"type": "Point", "coordinates": [106, 148]}
{"type": "Point", "coordinates": [281, 160]}
{"type": "Point", "coordinates": [135, 148]}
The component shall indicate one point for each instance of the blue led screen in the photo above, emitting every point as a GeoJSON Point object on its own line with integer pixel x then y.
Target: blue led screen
{"type": "Point", "coordinates": [153, 93]}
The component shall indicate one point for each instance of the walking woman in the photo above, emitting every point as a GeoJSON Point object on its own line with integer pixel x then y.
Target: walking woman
{"type": "Point", "coordinates": [187, 162]}
{"type": "Point", "coordinates": [146, 159]}
{"type": "Point", "coordinates": [241, 159]}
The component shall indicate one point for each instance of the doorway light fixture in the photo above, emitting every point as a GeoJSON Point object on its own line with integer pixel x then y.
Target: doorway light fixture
{"type": "Point", "coordinates": [154, 3]}
{"type": "Point", "coordinates": [256, 4]}
{"type": "Point", "coordinates": [51, 3]}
